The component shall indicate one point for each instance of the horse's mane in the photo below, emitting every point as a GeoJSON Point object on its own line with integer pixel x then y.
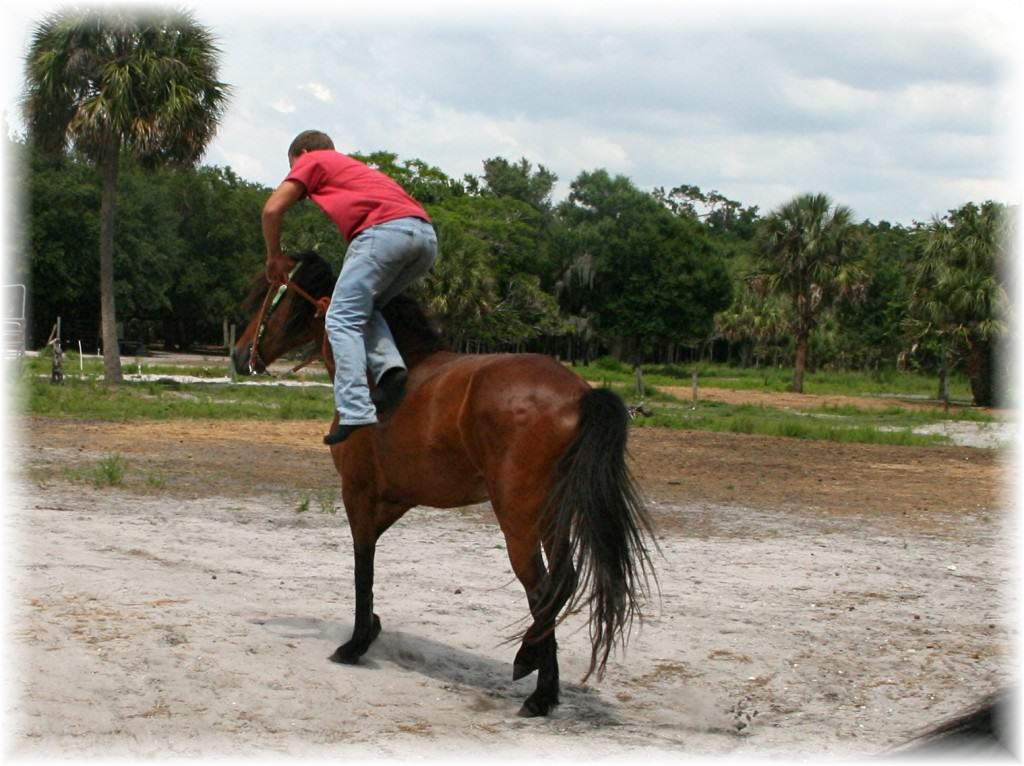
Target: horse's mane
{"type": "Point", "coordinates": [415, 332]}
{"type": "Point", "coordinates": [315, 275]}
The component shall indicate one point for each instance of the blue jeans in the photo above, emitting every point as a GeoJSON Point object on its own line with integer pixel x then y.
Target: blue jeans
{"type": "Point", "coordinates": [380, 263]}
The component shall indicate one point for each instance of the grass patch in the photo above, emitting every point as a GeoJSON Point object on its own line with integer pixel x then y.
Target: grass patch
{"type": "Point", "coordinates": [162, 401]}
{"type": "Point", "coordinates": [109, 472]}
{"type": "Point", "coordinates": [85, 397]}
{"type": "Point", "coordinates": [326, 499]}
{"type": "Point", "coordinates": [863, 426]}
{"type": "Point", "coordinates": [779, 379]}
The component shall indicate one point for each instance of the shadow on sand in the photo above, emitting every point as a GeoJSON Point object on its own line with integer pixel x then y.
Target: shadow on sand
{"type": "Point", "coordinates": [488, 680]}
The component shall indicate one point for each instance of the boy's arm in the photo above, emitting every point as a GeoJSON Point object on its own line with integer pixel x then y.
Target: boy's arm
{"type": "Point", "coordinates": [282, 198]}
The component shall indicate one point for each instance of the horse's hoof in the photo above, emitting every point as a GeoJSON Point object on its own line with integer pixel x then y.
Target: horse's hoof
{"type": "Point", "coordinates": [535, 708]}
{"type": "Point", "coordinates": [349, 653]}
{"type": "Point", "coordinates": [346, 655]}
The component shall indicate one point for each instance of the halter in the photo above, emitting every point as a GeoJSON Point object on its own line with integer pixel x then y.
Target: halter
{"type": "Point", "coordinates": [275, 292]}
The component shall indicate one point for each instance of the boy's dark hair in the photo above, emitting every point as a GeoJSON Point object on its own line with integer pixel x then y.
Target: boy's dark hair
{"type": "Point", "coordinates": [309, 141]}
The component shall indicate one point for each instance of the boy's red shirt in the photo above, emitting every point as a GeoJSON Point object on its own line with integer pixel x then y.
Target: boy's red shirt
{"type": "Point", "coordinates": [352, 194]}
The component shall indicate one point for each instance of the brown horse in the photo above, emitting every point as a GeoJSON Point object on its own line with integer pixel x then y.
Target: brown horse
{"type": "Point", "coordinates": [519, 429]}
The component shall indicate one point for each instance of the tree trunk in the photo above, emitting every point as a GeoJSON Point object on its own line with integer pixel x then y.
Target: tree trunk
{"type": "Point", "coordinates": [943, 392]}
{"type": "Point", "coordinates": [979, 372]}
{"type": "Point", "coordinates": [108, 317]}
{"type": "Point", "coordinates": [800, 361]}
{"type": "Point", "coordinates": [946, 362]}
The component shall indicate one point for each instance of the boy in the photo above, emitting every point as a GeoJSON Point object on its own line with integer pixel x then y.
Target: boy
{"type": "Point", "coordinates": [391, 244]}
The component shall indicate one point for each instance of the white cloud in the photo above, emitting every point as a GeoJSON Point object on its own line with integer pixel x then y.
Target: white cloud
{"type": "Point", "coordinates": [318, 91]}
{"type": "Point", "coordinates": [939, 104]}
{"type": "Point", "coordinates": [826, 97]}
{"type": "Point", "coordinates": [900, 115]}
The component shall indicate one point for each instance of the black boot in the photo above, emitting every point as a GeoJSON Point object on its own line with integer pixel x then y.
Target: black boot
{"type": "Point", "coordinates": [341, 433]}
{"type": "Point", "coordinates": [390, 389]}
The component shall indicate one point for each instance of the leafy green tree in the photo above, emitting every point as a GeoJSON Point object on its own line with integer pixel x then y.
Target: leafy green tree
{"type": "Point", "coordinates": [960, 295]}
{"type": "Point", "coordinates": [222, 251]}
{"type": "Point", "coordinates": [111, 80]}
{"type": "Point", "coordinates": [460, 289]}
{"type": "Point", "coordinates": [810, 252]}
{"type": "Point", "coordinates": [656, 279]}
{"type": "Point", "coordinates": [870, 330]}
{"type": "Point", "coordinates": [427, 184]}
{"type": "Point", "coordinates": [757, 322]}
{"type": "Point", "coordinates": [149, 251]}
{"type": "Point", "coordinates": [485, 283]}
{"type": "Point", "coordinates": [62, 212]}
{"type": "Point", "coordinates": [574, 291]}
{"type": "Point", "coordinates": [721, 214]}
{"type": "Point", "coordinates": [520, 181]}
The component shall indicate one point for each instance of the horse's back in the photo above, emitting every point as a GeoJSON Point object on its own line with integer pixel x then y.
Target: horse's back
{"type": "Point", "coordinates": [468, 420]}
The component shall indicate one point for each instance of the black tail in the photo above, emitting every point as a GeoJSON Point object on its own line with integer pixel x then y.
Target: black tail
{"type": "Point", "coordinates": [597, 520]}
{"type": "Point", "coordinates": [984, 729]}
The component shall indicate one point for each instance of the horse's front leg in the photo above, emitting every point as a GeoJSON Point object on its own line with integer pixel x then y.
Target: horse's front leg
{"type": "Point", "coordinates": [367, 624]}
{"type": "Point", "coordinates": [368, 520]}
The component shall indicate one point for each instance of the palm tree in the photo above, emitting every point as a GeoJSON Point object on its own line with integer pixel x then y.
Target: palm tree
{"type": "Point", "coordinates": [758, 322]}
{"type": "Point", "coordinates": [104, 81]}
{"type": "Point", "coordinates": [575, 293]}
{"type": "Point", "coordinates": [959, 293]}
{"type": "Point", "coordinates": [460, 289]}
{"type": "Point", "coordinates": [809, 251]}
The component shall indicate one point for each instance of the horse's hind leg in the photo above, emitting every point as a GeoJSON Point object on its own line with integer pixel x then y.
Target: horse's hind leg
{"type": "Point", "coordinates": [366, 529]}
{"type": "Point", "coordinates": [531, 572]}
{"type": "Point", "coordinates": [539, 650]}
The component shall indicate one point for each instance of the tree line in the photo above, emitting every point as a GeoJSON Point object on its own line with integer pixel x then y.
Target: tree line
{"type": "Point", "coordinates": [120, 105]}
{"type": "Point", "coordinates": [663, 276]}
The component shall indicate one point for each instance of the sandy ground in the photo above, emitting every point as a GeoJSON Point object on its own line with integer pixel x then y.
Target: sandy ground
{"type": "Point", "coordinates": [816, 601]}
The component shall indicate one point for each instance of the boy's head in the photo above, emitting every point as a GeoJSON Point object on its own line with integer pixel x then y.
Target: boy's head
{"type": "Point", "coordinates": [308, 141]}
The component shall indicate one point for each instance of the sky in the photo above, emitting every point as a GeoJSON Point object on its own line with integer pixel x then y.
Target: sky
{"type": "Point", "coordinates": [899, 110]}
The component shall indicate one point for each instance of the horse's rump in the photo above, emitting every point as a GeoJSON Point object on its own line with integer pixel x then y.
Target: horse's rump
{"type": "Point", "coordinates": [468, 419]}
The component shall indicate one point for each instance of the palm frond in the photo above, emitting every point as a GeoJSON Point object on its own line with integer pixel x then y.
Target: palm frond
{"type": "Point", "coordinates": [146, 80]}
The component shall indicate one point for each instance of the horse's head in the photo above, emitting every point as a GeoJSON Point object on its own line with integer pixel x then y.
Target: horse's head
{"type": "Point", "coordinates": [282, 319]}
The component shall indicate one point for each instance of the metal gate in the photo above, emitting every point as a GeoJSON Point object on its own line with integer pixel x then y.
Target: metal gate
{"type": "Point", "coordinates": [14, 323]}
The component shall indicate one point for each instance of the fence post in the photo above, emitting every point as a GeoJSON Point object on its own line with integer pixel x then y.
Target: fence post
{"type": "Point", "coordinates": [57, 373]}
{"type": "Point", "coordinates": [696, 391]}
{"type": "Point", "coordinates": [231, 347]}
{"type": "Point", "coordinates": [638, 375]}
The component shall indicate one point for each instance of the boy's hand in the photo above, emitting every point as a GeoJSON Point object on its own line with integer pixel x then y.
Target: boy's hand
{"type": "Point", "coordinates": [278, 267]}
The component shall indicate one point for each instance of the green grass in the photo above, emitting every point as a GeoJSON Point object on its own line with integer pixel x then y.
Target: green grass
{"type": "Point", "coordinates": [892, 425]}
{"type": "Point", "coordinates": [326, 499]}
{"type": "Point", "coordinates": [88, 397]}
{"type": "Point", "coordinates": [109, 472]}
{"type": "Point", "coordinates": [773, 379]}
{"type": "Point", "coordinates": [163, 401]}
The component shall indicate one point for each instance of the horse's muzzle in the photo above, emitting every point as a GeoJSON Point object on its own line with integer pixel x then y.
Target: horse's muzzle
{"type": "Point", "coordinates": [240, 360]}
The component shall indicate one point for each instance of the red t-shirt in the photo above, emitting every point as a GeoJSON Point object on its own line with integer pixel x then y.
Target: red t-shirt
{"type": "Point", "coordinates": [353, 195]}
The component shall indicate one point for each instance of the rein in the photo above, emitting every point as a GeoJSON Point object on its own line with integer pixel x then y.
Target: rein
{"type": "Point", "coordinates": [275, 292]}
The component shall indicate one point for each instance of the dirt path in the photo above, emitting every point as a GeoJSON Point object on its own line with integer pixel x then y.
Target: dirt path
{"type": "Point", "coordinates": [816, 598]}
